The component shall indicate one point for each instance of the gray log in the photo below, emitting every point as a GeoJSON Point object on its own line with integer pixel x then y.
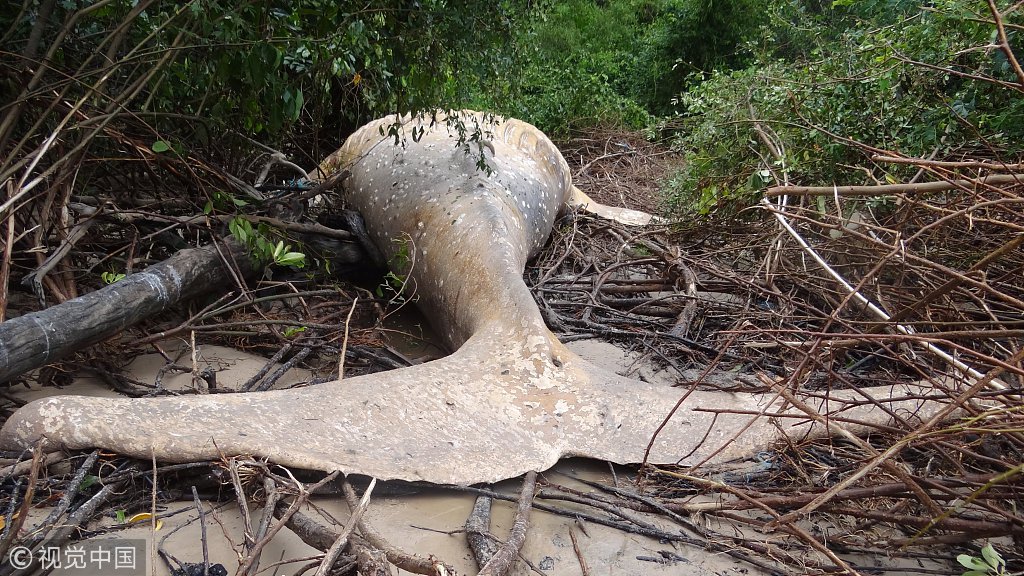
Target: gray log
{"type": "Point", "coordinates": [34, 340]}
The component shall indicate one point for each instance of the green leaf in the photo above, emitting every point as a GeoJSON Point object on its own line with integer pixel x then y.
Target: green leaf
{"type": "Point", "coordinates": [972, 562]}
{"type": "Point", "coordinates": [161, 146]}
{"type": "Point", "coordinates": [297, 259]}
{"type": "Point", "coordinates": [89, 480]}
{"type": "Point", "coordinates": [121, 516]}
{"type": "Point", "coordinates": [992, 557]}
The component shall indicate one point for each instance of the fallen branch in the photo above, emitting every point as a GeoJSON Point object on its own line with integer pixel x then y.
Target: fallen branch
{"type": "Point", "coordinates": [886, 189]}
{"type": "Point", "coordinates": [33, 340]}
{"type": "Point", "coordinates": [478, 526]}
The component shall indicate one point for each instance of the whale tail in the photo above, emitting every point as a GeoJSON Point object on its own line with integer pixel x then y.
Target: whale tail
{"type": "Point", "coordinates": [487, 412]}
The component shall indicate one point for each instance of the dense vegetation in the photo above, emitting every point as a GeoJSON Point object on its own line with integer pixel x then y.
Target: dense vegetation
{"type": "Point", "coordinates": [196, 92]}
{"type": "Point", "coordinates": [927, 81]}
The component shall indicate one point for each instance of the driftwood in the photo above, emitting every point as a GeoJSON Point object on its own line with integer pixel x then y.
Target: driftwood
{"type": "Point", "coordinates": [33, 340]}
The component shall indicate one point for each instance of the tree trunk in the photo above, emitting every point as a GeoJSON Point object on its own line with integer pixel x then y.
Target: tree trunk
{"type": "Point", "coordinates": [33, 340]}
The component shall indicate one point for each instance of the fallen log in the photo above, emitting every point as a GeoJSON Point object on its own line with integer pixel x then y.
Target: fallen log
{"type": "Point", "coordinates": [39, 338]}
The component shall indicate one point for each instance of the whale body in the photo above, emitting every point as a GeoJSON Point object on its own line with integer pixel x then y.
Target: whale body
{"type": "Point", "coordinates": [511, 398]}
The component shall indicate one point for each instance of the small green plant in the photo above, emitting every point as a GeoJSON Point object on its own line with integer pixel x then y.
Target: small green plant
{"type": "Point", "coordinates": [111, 277]}
{"type": "Point", "coordinates": [990, 563]}
{"type": "Point", "coordinates": [293, 330]}
{"type": "Point", "coordinates": [263, 249]}
{"type": "Point", "coordinates": [222, 201]}
{"type": "Point", "coordinates": [394, 283]}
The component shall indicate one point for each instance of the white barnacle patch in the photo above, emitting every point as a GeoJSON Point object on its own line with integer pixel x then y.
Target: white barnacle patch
{"type": "Point", "coordinates": [561, 407]}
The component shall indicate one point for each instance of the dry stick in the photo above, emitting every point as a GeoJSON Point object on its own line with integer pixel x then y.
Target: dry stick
{"type": "Point", "coordinates": [255, 378]}
{"type": "Point", "coordinates": [982, 165]}
{"type": "Point", "coordinates": [269, 381]}
{"type": "Point", "coordinates": [344, 340]}
{"type": "Point", "coordinates": [775, 502]}
{"type": "Point", "coordinates": [74, 487]}
{"type": "Point", "coordinates": [202, 531]}
{"type": "Point", "coordinates": [865, 446]}
{"type": "Point", "coordinates": [1004, 43]}
{"type": "Point", "coordinates": [634, 529]}
{"type": "Point", "coordinates": [902, 443]}
{"type": "Point", "coordinates": [80, 516]}
{"type": "Point", "coordinates": [300, 499]}
{"type": "Point", "coordinates": [339, 544]}
{"type": "Point", "coordinates": [611, 508]}
{"type": "Point", "coordinates": [404, 560]}
{"type": "Point", "coordinates": [792, 528]}
{"type": "Point", "coordinates": [5, 264]}
{"type": "Point", "coordinates": [268, 514]}
{"type": "Point", "coordinates": [955, 282]}
{"type": "Point", "coordinates": [647, 501]}
{"type": "Point", "coordinates": [24, 466]}
{"type": "Point", "coordinates": [579, 554]}
{"type": "Point", "coordinates": [18, 519]}
{"type": "Point", "coordinates": [478, 526]}
{"type": "Point", "coordinates": [243, 504]}
{"type": "Point", "coordinates": [887, 189]}
{"type": "Point", "coordinates": [863, 300]}
{"type": "Point", "coordinates": [500, 564]}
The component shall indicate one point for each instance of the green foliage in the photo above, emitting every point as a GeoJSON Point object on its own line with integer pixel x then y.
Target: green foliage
{"type": "Point", "coordinates": [111, 277]}
{"type": "Point", "coordinates": [394, 283]}
{"type": "Point", "coordinates": [584, 63]}
{"type": "Point", "coordinates": [990, 563]}
{"type": "Point", "coordinates": [865, 85]}
{"type": "Point", "coordinates": [259, 67]}
{"type": "Point", "coordinates": [261, 246]}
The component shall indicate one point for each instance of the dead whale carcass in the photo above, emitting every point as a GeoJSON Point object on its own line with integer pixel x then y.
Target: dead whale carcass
{"type": "Point", "coordinates": [511, 398]}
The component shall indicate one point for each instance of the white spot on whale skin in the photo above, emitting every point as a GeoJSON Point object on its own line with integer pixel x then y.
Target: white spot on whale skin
{"type": "Point", "coordinates": [561, 407]}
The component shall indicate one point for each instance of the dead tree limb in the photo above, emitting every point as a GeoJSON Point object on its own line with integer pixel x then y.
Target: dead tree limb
{"type": "Point", "coordinates": [883, 189]}
{"type": "Point", "coordinates": [39, 338]}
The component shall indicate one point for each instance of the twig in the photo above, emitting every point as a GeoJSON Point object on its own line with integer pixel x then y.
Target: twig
{"type": "Point", "coordinates": [202, 531]}
{"type": "Point", "coordinates": [344, 341]}
{"type": "Point", "coordinates": [15, 521]}
{"type": "Point", "coordinates": [301, 499]}
{"type": "Point", "coordinates": [887, 189]}
{"type": "Point", "coordinates": [404, 560]}
{"type": "Point", "coordinates": [976, 164]}
{"type": "Point", "coordinates": [501, 562]}
{"type": "Point", "coordinates": [339, 544]}
{"type": "Point", "coordinates": [1004, 43]}
{"type": "Point", "coordinates": [273, 496]}
{"type": "Point", "coordinates": [579, 554]}
{"type": "Point", "coordinates": [871, 306]}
